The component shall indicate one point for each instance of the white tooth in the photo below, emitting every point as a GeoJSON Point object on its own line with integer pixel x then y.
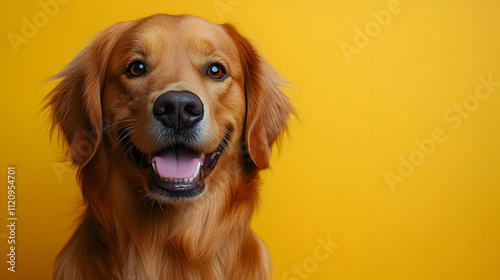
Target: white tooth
{"type": "Point", "coordinates": [202, 157]}
{"type": "Point", "coordinates": [190, 179]}
{"type": "Point", "coordinates": [185, 180]}
{"type": "Point", "coordinates": [154, 168]}
{"type": "Point", "coordinates": [197, 170]}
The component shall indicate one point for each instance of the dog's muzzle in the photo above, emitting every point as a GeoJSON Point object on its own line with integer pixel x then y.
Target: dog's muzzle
{"type": "Point", "coordinates": [177, 171]}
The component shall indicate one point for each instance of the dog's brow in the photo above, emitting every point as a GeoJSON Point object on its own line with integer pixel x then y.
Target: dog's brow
{"type": "Point", "coordinates": [140, 41]}
{"type": "Point", "coordinates": [204, 46]}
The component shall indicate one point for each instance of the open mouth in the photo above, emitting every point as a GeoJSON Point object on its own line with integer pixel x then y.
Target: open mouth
{"type": "Point", "coordinates": [176, 172]}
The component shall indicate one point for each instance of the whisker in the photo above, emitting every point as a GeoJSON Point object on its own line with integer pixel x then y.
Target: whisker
{"type": "Point", "coordinates": [161, 208]}
{"type": "Point", "coordinates": [118, 122]}
{"type": "Point", "coordinates": [225, 141]}
{"type": "Point", "coordinates": [129, 141]}
{"type": "Point", "coordinates": [121, 137]}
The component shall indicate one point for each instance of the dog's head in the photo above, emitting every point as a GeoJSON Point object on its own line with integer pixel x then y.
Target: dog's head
{"type": "Point", "coordinates": [169, 98]}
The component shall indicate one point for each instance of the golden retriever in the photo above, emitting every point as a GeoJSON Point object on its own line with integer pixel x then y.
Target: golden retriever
{"type": "Point", "coordinates": [169, 120]}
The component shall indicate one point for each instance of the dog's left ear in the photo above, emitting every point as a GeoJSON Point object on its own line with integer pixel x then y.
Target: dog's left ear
{"type": "Point", "coordinates": [268, 109]}
{"type": "Point", "coordinates": [76, 102]}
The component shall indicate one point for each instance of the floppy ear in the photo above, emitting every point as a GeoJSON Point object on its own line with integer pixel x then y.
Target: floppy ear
{"type": "Point", "coordinates": [268, 109]}
{"type": "Point", "coordinates": [76, 102]}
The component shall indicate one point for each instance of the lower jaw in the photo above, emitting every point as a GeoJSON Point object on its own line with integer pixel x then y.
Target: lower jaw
{"type": "Point", "coordinates": [167, 195]}
{"type": "Point", "coordinates": [176, 192]}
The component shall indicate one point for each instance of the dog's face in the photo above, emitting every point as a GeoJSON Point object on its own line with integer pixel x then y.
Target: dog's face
{"type": "Point", "coordinates": [174, 87]}
{"type": "Point", "coordinates": [174, 97]}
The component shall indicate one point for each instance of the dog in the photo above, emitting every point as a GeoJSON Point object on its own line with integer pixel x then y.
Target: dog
{"type": "Point", "coordinates": [169, 120]}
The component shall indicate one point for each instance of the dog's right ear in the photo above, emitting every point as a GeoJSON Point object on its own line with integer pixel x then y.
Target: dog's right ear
{"type": "Point", "coordinates": [76, 102]}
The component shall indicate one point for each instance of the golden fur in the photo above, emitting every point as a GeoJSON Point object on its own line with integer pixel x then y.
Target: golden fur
{"type": "Point", "coordinates": [127, 232]}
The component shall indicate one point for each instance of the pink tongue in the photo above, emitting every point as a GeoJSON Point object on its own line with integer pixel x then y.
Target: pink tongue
{"type": "Point", "coordinates": [176, 163]}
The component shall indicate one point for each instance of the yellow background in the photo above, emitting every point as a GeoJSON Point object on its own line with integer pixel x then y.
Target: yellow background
{"type": "Point", "coordinates": [356, 119]}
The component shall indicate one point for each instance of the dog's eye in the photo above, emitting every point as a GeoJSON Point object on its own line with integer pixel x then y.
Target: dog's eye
{"type": "Point", "coordinates": [136, 68]}
{"type": "Point", "coordinates": [216, 71]}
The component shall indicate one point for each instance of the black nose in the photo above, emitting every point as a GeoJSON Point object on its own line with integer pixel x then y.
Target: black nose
{"type": "Point", "coordinates": [178, 109]}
